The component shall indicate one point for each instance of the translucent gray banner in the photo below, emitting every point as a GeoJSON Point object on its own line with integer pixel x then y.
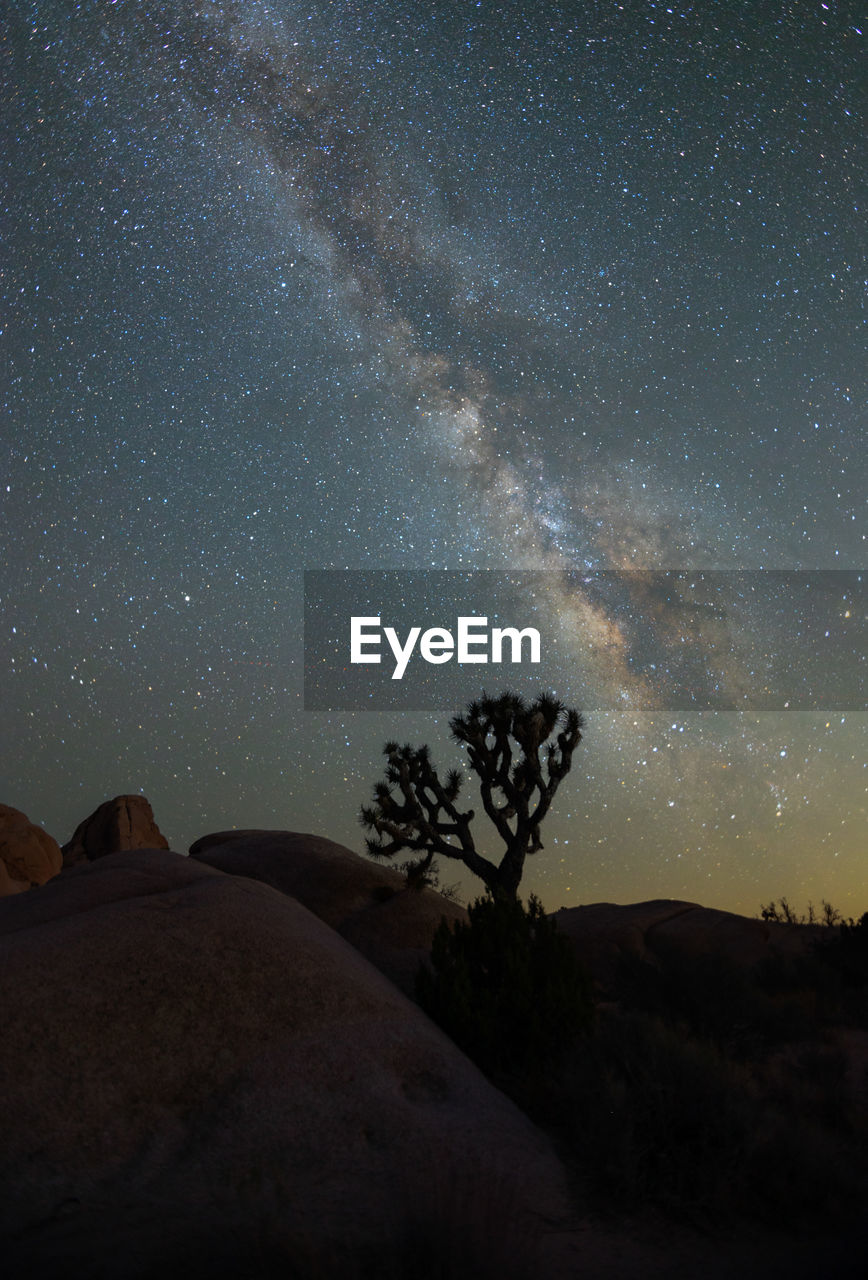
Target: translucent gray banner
{"type": "Point", "coordinates": [672, 640]}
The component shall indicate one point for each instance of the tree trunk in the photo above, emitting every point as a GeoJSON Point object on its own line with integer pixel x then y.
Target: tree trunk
{"type": "Point", "coordinates": [509, 872]}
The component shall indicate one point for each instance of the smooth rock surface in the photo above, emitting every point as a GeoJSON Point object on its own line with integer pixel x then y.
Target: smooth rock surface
{"type": "Point", "coordinates": [28, 855]}
{"type": "Point", "coordinates": [367, 902]}
{"type": "Point", "coordinates": [198, 1077]}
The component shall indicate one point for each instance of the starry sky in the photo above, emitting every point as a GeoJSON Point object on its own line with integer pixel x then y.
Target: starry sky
{"type": "Point", "coordinates": [405, 286]}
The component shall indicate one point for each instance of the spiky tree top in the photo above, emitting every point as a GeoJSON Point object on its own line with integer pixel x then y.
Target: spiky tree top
{"type": "Point", "coordinates": [520, 750]}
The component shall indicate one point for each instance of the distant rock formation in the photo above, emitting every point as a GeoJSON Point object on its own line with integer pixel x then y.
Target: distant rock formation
{"type": "Point", "coordinates": [368, 904]}
{"type": "Point", "coordinates": [605, 934]}
{"type": "Point", "coordinates": [127, 822]}
{"type": "Point", "coordinates": [221, 1086]}
{"type": "Point", "coordinates": [28, 855]}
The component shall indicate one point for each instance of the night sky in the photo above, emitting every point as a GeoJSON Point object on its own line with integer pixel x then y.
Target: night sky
{"type": "Point", "coordinates": [416, 286]}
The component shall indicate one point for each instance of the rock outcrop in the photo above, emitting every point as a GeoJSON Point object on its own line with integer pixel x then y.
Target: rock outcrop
{"type": "Point", "coordinates": [367, 903]}
{"type": "Point", "coordinates": [28, 855]}
{"type": "Point", "coordinates": [126, 822]}
{"type": "Point", "coordinates": [605, 935]}
{"type": "Point", "coordinates": [199, 1077]}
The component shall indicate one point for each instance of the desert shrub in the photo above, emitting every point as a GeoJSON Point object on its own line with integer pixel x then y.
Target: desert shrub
{"type": "Point", "coordinates": [847, 952]}
{"type": "Point", "coordinates": [781, 912]}
{"type": "Point", "coordinates": [828, 982]}
{"type": "Point", "coordinates": [750, 1011]}
{"type": "Point", "coordinates": [645, 1114]}
{"type": "Point", "coordinates": [706, 994]}
{"type": "Point", "coordinates": [712, 1091]}
{"type": "Point", "coordinates": [711, 997]}
{"type": "Point", "coordinates": [800, 1173]}
{"type": "Point", "coordinates": [506, 986]}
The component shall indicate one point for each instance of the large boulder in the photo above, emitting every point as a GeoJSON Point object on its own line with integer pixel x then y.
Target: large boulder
{"type": "Point", "coordinates": [126, 822]}
{"type": "Point", "coordinates": [9, 886]}
{"type": "Point", "coordinates": [199, 1077]}
{"type": "Point", "coordinates": [28, 855]}
{"type": "Point", "coordinates": [367, 903]}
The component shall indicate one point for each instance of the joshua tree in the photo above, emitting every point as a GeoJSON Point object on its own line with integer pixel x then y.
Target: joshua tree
{"type": "Point", "coordinates": [521, 751]}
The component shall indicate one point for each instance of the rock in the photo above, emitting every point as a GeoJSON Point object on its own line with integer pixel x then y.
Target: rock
{"type": "Point", "coordinates": [331, 880]}
{"type": "Point", "coordinates": [395, 934]}
{"type": "Point", "coordinates": [369, 904]}
{"type": "Point", "coordinates": [28, 855]}
{"type": "Point", "coordinates": [220, 1085]}
{"type": "Point", "coordinates": [8, 885]}
{"type": "Point", "coordinates": [604, 934]}
{"type": "Point", "coordinates": [127, 822]}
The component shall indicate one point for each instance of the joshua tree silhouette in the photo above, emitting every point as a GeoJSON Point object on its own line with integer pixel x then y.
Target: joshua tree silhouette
{"type": "Point", "coordinates": [521, 751]}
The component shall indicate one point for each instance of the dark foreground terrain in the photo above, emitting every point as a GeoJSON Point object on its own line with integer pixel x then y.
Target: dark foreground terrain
{"type": "Point", "coordinates": [212, 1065]}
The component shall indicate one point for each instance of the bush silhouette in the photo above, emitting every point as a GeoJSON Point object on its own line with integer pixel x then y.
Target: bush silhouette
{"type": "Point", "coordinates": [506, 986]}
{"type": "Point", "coordinates": [847, 952]}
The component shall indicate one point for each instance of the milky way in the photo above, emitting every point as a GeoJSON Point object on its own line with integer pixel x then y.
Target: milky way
{"type": "Point", "coordinates": [561, 288]}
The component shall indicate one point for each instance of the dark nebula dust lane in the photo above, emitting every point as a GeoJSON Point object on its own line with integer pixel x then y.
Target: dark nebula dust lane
{"type": "Point", "coordinates": [570, 289]}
